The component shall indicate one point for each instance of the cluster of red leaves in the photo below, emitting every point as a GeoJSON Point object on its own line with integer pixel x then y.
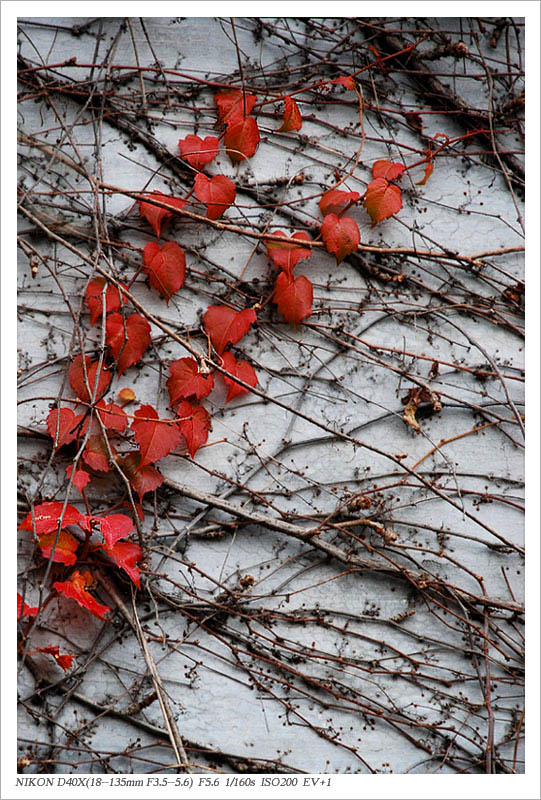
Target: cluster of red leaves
{"type": "Point", "coordinates": [339, 233]}
{"type": "Point", "coordinates": [128, 338]}
{"type": "Point", "coordinates": [190, 382]}
{"type": "Point", "coordinates": [292, 296]}
{"type": "Point", "coordinates": [382, 198]}
{"type": "Point", "coordinates": [241, 138]}
{"type": "Point", "coordinates": [50, 520]}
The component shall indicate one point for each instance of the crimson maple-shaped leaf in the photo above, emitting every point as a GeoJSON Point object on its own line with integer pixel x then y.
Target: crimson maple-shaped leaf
{"type": "Point", "coordinates": [76, 589]}
{"type": "Point", "coordinates": [382, 199]}
{"type": "Point", "coordinates": [240, 369]}
{"type": "Point", "coordinates": [96, 454]}
{"type": "Point", "coordinates": [335, 201]}
{"type": "Point", "coordinates": [142, 479]}
{"type": "Point", "coordinates": [80, 477]}
{"type": "Point", "coordinates": [293, 297]}
{"type": "Point", "coordinates": [47, 516]}
{"type": "Point", "coordinates": [64, 552]}
{"type": "Point", "coordinates": [292, 116]}
{"type": "Point", "coordinates": [126, 555]}
{"type": "Point", "coordinates": [187, 381]}
{"type": "Point", "coordinates": [165, 267]}
{"type": "Point", "coordinates": [77, 378]}
{"type": "Point", "coordinates": [194, 425]}
{"type": "Point", "coordinates": [387, 169]}
{"type": "Point", "coordinates": [113, 527]}
{"type": "Point", "coordinates": [23, 610]}
{"type": "Point", "coordinates": [156, 216]}
{"type": "Point", "coordinates": [241, 139]}
{"type": "Point", "coordinates": [63, 660]}
{"type": "Point", "coordinates": [341, 235]}
{"type": "Point", "coordinates": [233, 105]}
{"type": "Point", "coordinates": [345, 80]}
{"type": "Point", "coordinates": [226, 326]}
{"type": "Point", "coordinates": [197, 151]}
{"type": "Point", "coordinates": [288, 253]}
{"type": "Point", "coordinates": [67, 423]}
{"type": "Point", "coordinates": [217, 193]}
{"type": "Point", "coordinates": [156, 437]}
{"type": "Point", "coordinates": [94, 298]}
{"type": "Point", "coordinates": [128, 339]}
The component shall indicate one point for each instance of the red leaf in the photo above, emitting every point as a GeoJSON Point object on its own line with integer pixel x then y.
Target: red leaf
{"type": "Point", "coordinates": [156, 438]}
{"type": "Point", "coordinates": [47, 515]}
{"type": "Point", "coordinates": [77, 380]}
{"type": "Point", "coordinates": [142, 479]}
{"type": "Point", "coordinates": [128, 340]}
{"type": "Point", "coordinates": [63, 660]}
{"type": "Point", "coordinates": [341, 235]}
{"type": "Point", "coordinates": [241, 139]}
{"type": "Point", "coordinates": [233, 105]}
{"type": "Point", "coordinates": [345, 80]}
{"type": "Point", "coordinates": [226, 326]}
{"type": "Point", "coordinates": [126, 396]}
{"type": "Point", "coordinates": [217, 193]}
{"type": "Point", "coordinates": [96, 454]}
{"type": "Point", "coordinates": [94, 301]}
{"type": "Point", "coordinates": [292, 116]}
{"type": "Point", "coordinates": [76, 589]}
{"type": "Point", "coordinates": [80, 478]}
{"type": "Point", "coordinates": [165, 267]}
{"type": "Point", "coordinates": [186, 381]}
{"type": "Point", "coordinates": [112, 416]}
{"type": "Point", "coordinates": [197, 151]}
{"type": "Point", "coordinates": [114, 527]}
{"type": "Point", "coordinates": [126, 555]}
{"type": "Point", "coordinates": [67, 425]}
{"type": "Point", "coordinates": [64, 552]}
{"type": "Point", "coordinates": [195, 426]}
{"type": "Point", "coordinates": [157, 216]}
{"type": "Point", "coordinates": [27, 611]}
{"type": "Point", "coordinates": [242, 370]}
{"type": "Point", "coordinates": [293, 296]}
{"type": "Point", "coordinates": [287, 254]}
{"type": "Point", "coordinates": [382, 200]}
{"type": "Point", "coordinates": [335, 201]}
{"type": "Point", "coordinates": [429, 169]}
{"type": "Point", "coordinates": [387, 169]}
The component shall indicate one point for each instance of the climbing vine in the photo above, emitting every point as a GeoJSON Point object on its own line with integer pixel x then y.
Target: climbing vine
{"type": "Point", "coordinates": [139, 268]}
